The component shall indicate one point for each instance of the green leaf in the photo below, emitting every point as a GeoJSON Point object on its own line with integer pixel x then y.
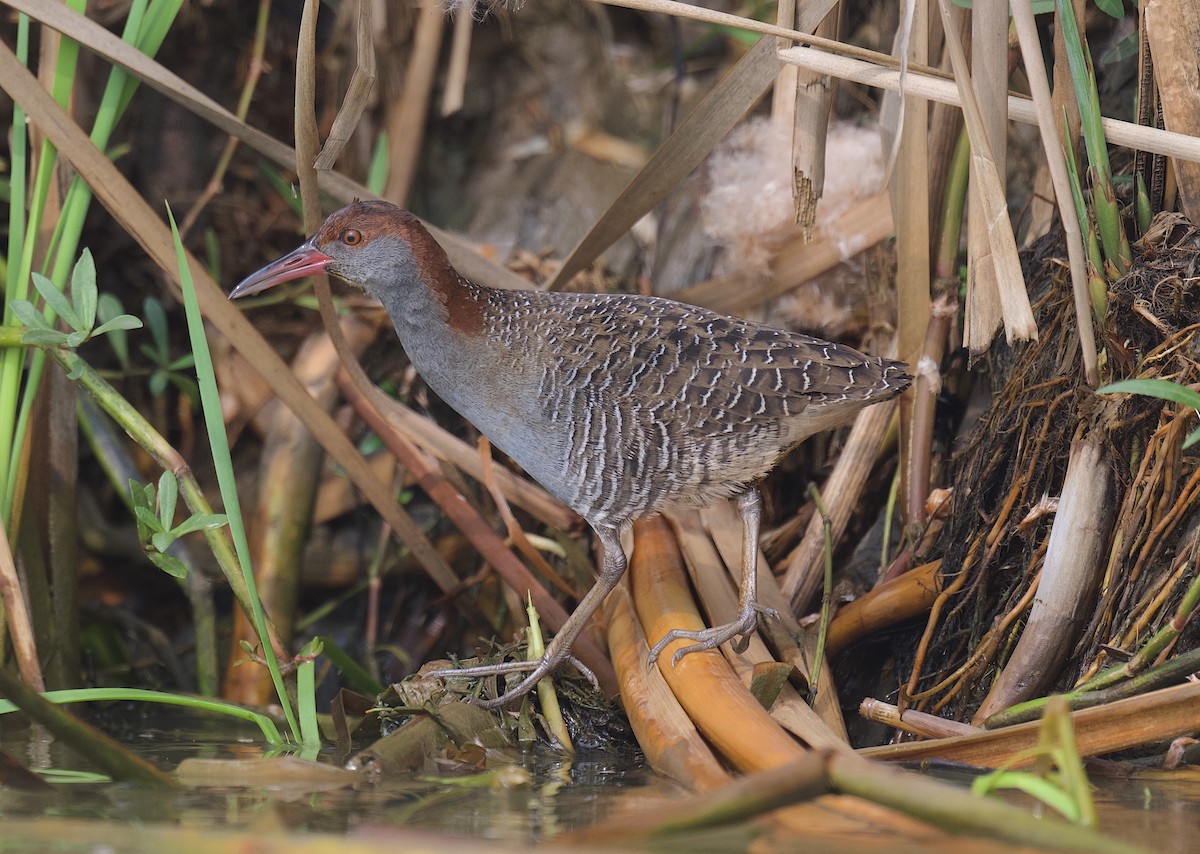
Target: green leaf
{"type": "Point", "coordinates": [141, 494]}
{"type": "Point", "coordinates": [1162, 389]}
{"type": "Point", "coordinates": [76, 338]}
{"type": "Point", "coordinates": [109, 308]}
{"type": "Point", "coordinates": [29, 316]}
{"type": "Point", "coordinates": [158, 382]}
{"type": "Point", "coordinates": [168, 495]}
{"type": "Point", "coordinates": [156, 322]}
{"type": "Point", "coordinates": [149, 519]}
{"type": "Point", "coordinates": [172, 566]}
{"type": "Point", "coordinates": [115, 327]}
{"type": "Point", "coordinates": [162, 540]}
{"type": "Point", "coordinates": [56, 300]}
{"type": "Point", "coordinates": [1112, 8]}
{"type": "Point", "coordinates": [44, 337]}
{"type": "Point", "coordinates": [187, 360]}
{"type": "Point", "coordinates": [200, 522]}
{"type": "Point", "coordinates": [83, 289]}
{"type": "Point", "coordinates": [1043, 790]}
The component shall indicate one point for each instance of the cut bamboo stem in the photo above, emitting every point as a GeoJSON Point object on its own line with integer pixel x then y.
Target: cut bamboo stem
{"type": "Point", "coordinates": [1070, 575]}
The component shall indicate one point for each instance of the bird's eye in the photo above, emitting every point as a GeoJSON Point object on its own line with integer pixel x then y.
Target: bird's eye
{"type": "Point", "coordinates": [352, 237]}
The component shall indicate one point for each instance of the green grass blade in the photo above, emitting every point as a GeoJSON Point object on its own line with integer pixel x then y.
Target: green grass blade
{"type": "Point", "coordinates": [92, 695]}
{"type": "Point", "coordinates": [1162, 389]}
{"type": "Point", "coordinates": [219, 444]}
{"type": "Point", "coordinates": [306, 694]}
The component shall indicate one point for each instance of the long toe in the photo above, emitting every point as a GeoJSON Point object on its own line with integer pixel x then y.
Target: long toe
{"type": "Point", "coordinates": [480, 670]}
{"type": "Point", "coordinates": [524, 687]}
{"type": "Point", "coordinates": [741, 629]}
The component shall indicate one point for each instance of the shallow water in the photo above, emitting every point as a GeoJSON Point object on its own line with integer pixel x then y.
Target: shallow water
{"type": "Point", "coordinates": [553, 795]}
{"type": "Point", "coordinates": [422, 810]}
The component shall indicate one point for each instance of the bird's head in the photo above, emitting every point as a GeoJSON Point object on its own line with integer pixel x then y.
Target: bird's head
{"type": "Point", "coordinates": [371, 244]}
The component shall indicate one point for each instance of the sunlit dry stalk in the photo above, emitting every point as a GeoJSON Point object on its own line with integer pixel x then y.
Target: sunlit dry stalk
{"type": "Point", "coordinates": [902, 598]}
{"type": "Point", "coordinates": [807, 122]}
{"type": "Point", "coordinates": [664, 732]}
{"type": "Point", "coordinates": [406, 119]}
{"type": "Point", "coordinates": [460, 54]}
{"type": "Point", "coordinates": [1047, 125]}
{"type": "Point", "coordinates": [984, 309]}
{"type": "Point", "coordinates": [1020, 109]}
{"type": "Point", "coordinates": [709, 691]}
{"type": "Point", "coordinates": [1144, 719]}
{"type": "Point", "coordinates": [914, 722]}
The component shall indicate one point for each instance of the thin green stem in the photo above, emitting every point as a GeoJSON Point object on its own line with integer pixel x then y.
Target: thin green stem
{"type": "Point", "coordinates": [827, 588]}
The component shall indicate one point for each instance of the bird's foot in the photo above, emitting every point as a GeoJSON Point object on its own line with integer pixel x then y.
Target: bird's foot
{"type": "Point", "coordinates": [538, 669]}
{"type": "Point", "coordinates": [739, 631]}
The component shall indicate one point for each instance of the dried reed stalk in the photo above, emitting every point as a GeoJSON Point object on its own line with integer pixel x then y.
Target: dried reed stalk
{"type": "Point", "coordinates": [902, 598]}
{"type": "Point", "coordinates": [664, 732]}
{"type": "Point", "coordinates": [914, 722]}
{"type": "Point", "coordinates": [1147, 719]}
{"type": "Point", "coordinates": [706, 687]}
{"type": "Point", "coordinates": [406, 117]}
{"type": "Point", "coordinates": [711, 577]}
{"type": "Point", "coordinates": [1070, 576]}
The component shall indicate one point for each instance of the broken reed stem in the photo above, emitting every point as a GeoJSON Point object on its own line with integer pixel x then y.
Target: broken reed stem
{"type": "Point", "coordinates": [912, 721]}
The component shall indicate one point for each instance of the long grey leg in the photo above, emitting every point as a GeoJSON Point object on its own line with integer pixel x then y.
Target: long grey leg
{"type": "Point", "coordinates": [612, 567]}
{"type": "Point", "coordinates": [750, 507]}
